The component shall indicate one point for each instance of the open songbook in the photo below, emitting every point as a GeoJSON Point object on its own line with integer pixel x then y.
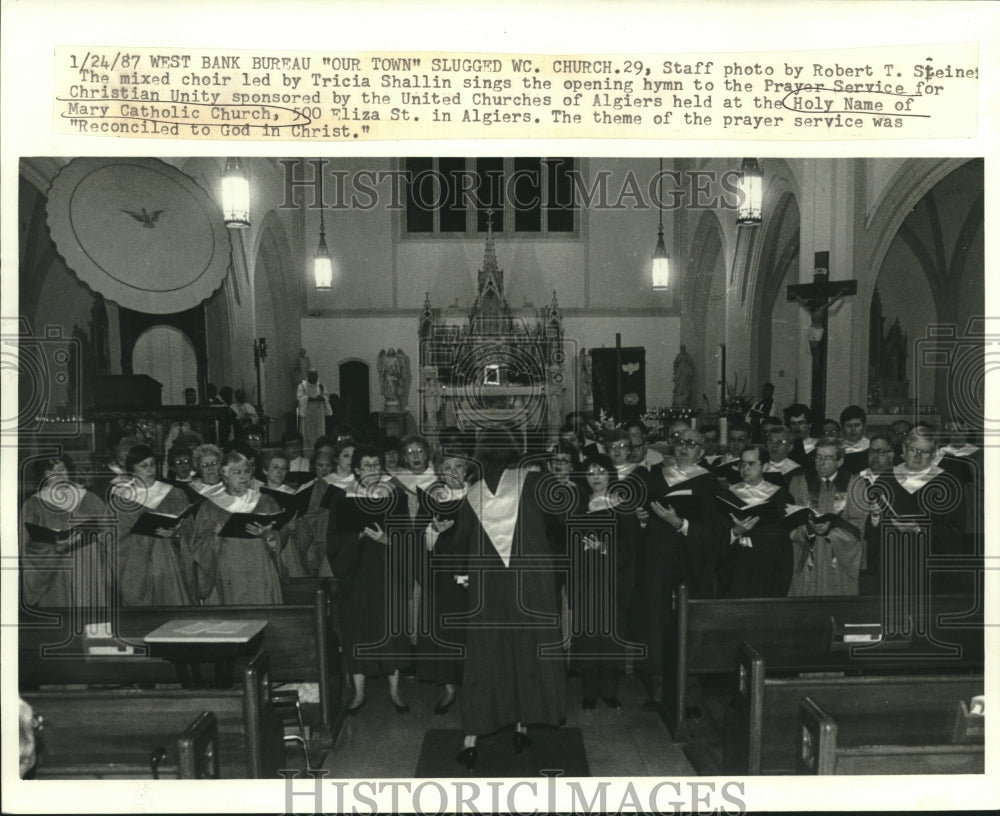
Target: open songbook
{"type": "Point", "coordinates": [762, 508]}
{"type": "Point", "coordinates": [296, 503]}
{"type": "Point", "coordinates": [686, 503]}
{"type": "Point", "coordinates": [236, 524]}
{"type": "Point", "coordinates": [800, 514]}
{"type": "Point", "coordinates": [150, 521]}
{"type": "Point", "coordinates": [46, 535]}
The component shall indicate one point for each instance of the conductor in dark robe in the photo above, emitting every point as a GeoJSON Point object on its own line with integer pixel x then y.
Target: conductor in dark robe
{"type": "Point", "coordinates": [514, 665]}
{"type": "Point", "coordinates": [759, 561]}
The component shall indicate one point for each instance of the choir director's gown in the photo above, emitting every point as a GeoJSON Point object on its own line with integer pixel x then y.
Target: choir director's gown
{"type": "Point", "coordinates": [515, 664]}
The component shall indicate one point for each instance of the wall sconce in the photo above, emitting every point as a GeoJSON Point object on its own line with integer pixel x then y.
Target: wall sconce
{"type": "Point", "coordinates": [661, 260]}
{"type": "Point", "coordinates": [260, 348]}
{"type": "Point", "coordinates": [323, 263]}
{"type": "Point", "coordinates": [235, 195]}
{"type": "Point", "coordinates": [748, 213]}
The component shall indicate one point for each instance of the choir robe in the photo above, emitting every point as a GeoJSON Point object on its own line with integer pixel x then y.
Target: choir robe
{"type": "Point", "coordinates": [675, 557]}
{"type": "Point", "coordinates": [289, 561]}
{"type": "Point", "coordinates": [440, 645]}
{"type": "Point", "coordinates": [856, 456]}
{"type": "Point", "coordinates": [152, 571]}
{"type": "Point", "coordinates": [781, 473]}
{"type": "Point", "coordinates": [830, 564]}
{"type": "Point", "coordinates": [601, 584]}
{"type": "Point", "coordinates": [309, 531]}
{"type": "Point", "coordinates": [515, 663]}
{"type": "Point", "coordinates": [935, 497]}
{"type": "Point", "coordinates": [235, 571]}
{"type": "Point", "coordinates": [45, 581]}
{"type": "Point", "coordinates": [761, 567]}
{"type": "Point", "coordinates": [370, 581]}
{"type": "Point", "coordinates": [804, 452]}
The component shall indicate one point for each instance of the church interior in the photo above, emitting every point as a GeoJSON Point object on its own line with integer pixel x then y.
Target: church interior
{"type": "Point", "coordinates": [446, 294]}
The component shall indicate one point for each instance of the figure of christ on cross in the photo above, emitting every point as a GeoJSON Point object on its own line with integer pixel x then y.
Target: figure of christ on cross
{"type": "Point", "coordinates": [817, 297]}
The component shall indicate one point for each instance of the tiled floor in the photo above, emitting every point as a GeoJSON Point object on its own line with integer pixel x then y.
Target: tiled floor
{"type": "Point", "coordinates": [379, 743]}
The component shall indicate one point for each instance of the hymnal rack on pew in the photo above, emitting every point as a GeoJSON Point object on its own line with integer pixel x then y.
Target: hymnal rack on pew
{"type": "Point", "coordinates": [149, 522]}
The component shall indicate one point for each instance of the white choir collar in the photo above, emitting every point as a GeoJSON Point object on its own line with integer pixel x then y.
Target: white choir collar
{"type": "Point", "coordinates": [497, 512]}
{"type": "Point", "coordinates": [912, 482]}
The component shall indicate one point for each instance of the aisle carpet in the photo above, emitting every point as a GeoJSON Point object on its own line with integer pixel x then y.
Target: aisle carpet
{"type": "Point", "coordinates": [552, 749]}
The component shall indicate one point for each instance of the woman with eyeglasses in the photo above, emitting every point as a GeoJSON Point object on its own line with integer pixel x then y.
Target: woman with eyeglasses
{"type": "Point", "coordinates": [680, 544]}
{"type": "Point", "coordinates": [440, 649]}
{"type": "Point", "coordinates": [207, 460]}
{"type": "Point", "coordinates": [154, 566]}
{"type": "Point", "coordinates": [603, 537]}
{"type": "Point", "coordinates": [238, 566]}
{"type": "Point", "coordinates": [367, 563]}
{"type": "Point", "coordinates": [918, 494]}
{"type": "Point", "coordinates": [48, 540]}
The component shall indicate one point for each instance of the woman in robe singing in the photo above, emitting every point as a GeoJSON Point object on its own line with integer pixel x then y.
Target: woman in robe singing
{"type": "Point", "coordinates": [47, 540]}
{"type": "Point", "coordinates": [367, 567]}
{"type": "Point", "coordinates": [153, 567]}
{"type": "Point", "coordinates": [237, 566]}
{"type": "Point", "coordinates": [439, 647]}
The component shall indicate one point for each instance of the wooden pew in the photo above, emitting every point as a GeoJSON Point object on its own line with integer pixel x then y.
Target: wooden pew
{"type": "Point", "coordinates": [66, 748]}
{"type": "Point", "coordinates": [761, 731]}
{"type": "Point", "coordinates": [795, 634]}
{"type": "Point", "coordinates": [297, 638]}
{"type": "Point", "coordinates": [116, 729]}
{"type": "Point", "coordinates": [829, 746]}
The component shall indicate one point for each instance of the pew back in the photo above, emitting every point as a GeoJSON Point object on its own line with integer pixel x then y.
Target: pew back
{"type": "Point", "coordinates": [761, 727]}
{"type": "Point", "coordinates": [798, 635]}
{"type": "Point", "coordinates": [821, 750]}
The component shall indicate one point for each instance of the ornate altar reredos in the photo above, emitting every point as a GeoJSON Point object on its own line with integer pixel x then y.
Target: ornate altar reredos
{"type": "Point", "coordinates": [495, 370]}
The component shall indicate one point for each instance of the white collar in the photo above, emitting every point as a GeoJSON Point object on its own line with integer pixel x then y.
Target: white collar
{"type": "Point", "coordinates": [857, 447]}
{"type": "Point", "coordinates": [603, 502]}
{"type": "Point", "coordinates": [869, 475]}
{"type": "Point", "coordinates": [760, 492]}
{"type": "Point", "coordinates": [808, 444]}
{"type": "Point", "coordinates": [912, 482]}
{"type": "Point", "coordinates": [626, 469]}
{"type": "Point", "coordinates": [343, 482]}
{"type": "Point", "coordinates": [410, 481]}
{"type": "Point", "coordinates": [63, 497]}
{"type": "Point", "coordinates": [960, 450]}
{"type": "Point", "coordinates": [674, 474]}
{"type": "Point", "coordinates": [784, 466]}
{"type": "Point", "coordinates": [497, 512]}
{"type": "Point", "coordinates": [132, 490]}
{"type": "Point", "coordinates": [237, 504]}
{"type": "Point", "coordinates": [208, 490]}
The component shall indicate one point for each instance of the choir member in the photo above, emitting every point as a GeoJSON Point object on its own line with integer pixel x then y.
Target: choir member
{"type": "Point", "coordinates": [759, 561]}
{"type": "Point", "coordinates": [367, 567]}
{"type": "Point", "coordinates": [827, 547]}
{"type": "Point", "coordinates": [237, 566]}
{"type": "Point", "coordinates": [153, 566]}
{"type": "Point", "coordinates": [601, 583]}
{"type": "Point", "coordinates": [440, 649]}
{"type": "Point", "coordinates": [48, 539]}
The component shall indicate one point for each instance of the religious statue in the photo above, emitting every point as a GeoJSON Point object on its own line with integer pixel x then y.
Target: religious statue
{"type": "Point", "coordinates": [683, 378]}
{"type": "Point", "coordinates": [817, 308]}
{"type": "Point", "coordinates": [394, 372]}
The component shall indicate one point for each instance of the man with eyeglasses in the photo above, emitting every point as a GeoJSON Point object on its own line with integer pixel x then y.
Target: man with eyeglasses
{"type": "Point", "coordinates": [881, 455]}
{"type": "Point", "coordinates": [758, 563]}
{"type": "Point", "coordinates": [920, 495]}
{"type": "Point", "coordinates": [726, 467]}
{"type": "Point", "coordinates": [827, 547]}
{"type": "Point", "coordinates": [781, 468]}
{"type": "Point", "coordinates": [641, 452]}
{"type": "Point", "coordinates": [680, 543]}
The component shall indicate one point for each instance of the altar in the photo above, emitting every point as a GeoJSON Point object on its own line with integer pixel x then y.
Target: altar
{"type": "Point", "coordinates": [497, 369]}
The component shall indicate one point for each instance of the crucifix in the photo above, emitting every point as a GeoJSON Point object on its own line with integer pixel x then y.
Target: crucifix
{"type": "Point", "coordinates": [817, 297]}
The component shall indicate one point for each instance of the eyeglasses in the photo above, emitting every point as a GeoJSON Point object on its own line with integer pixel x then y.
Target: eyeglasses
{"type": "Point", "coordinates": [880, 451]}
{"type": "Point", "coordinates": [689, 443]}
{"type": "Point", "coordinates": [414, 450]}
{"type": "Point", "coordinates": [208, 464]}
{"type": "Point", "coordinates": [918, 452]}
{"type": "Point", "coordinates": [824, 458]}
{"type": "Point", "coordinates": [620, 446]}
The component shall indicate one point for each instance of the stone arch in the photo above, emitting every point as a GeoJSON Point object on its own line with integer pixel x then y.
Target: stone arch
{"type": "Point", "coordinates": [706, 264]}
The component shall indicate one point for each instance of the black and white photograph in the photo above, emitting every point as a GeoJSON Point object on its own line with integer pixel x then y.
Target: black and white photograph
{"type": "Point", "coordinates": [516, 475]}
